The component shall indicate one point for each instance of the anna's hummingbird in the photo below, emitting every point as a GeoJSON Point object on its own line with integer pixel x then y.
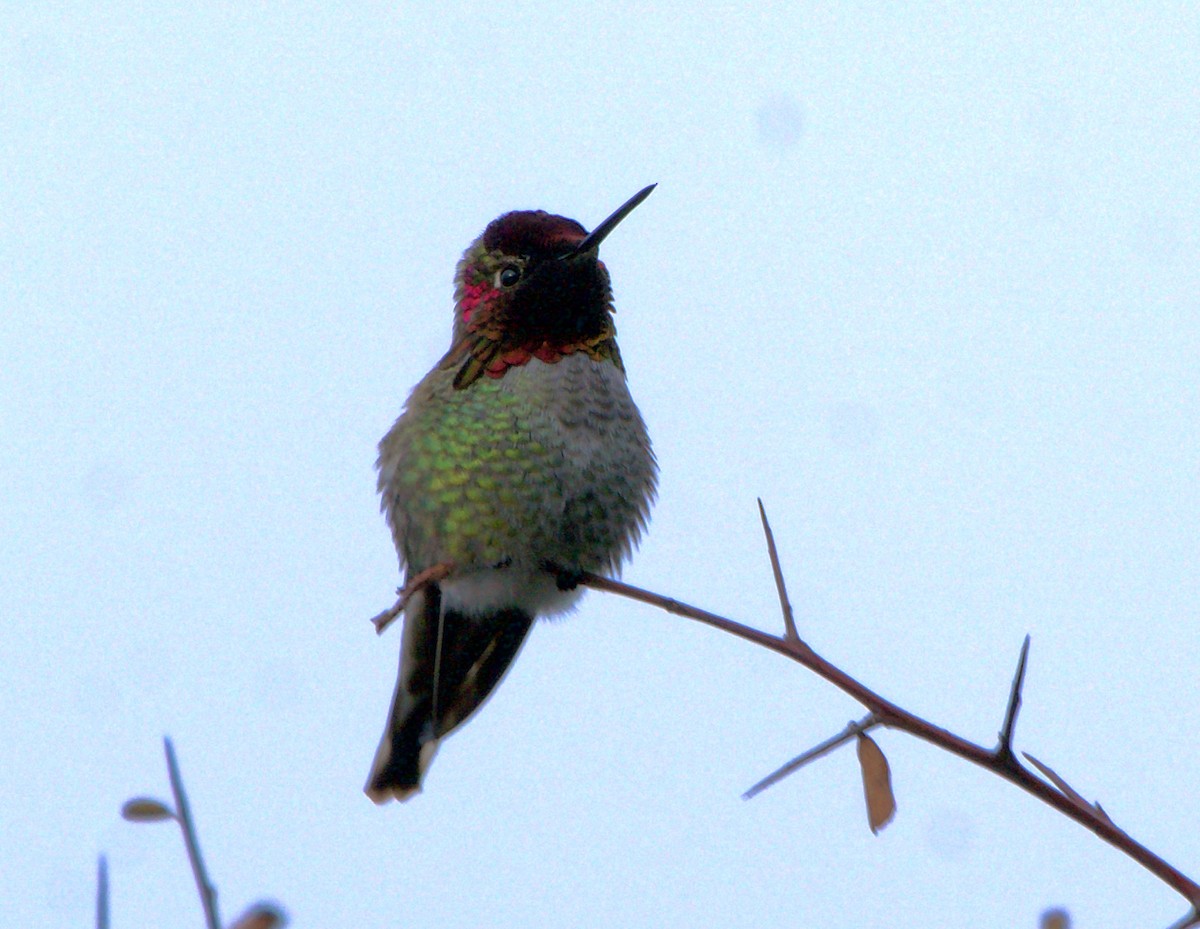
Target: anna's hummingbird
{"type": "Point", "coordinates": [520, 460]}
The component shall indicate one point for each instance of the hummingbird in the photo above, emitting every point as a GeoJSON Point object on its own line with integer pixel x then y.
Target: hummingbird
{"type": "Point", "coordinates": [518, 462]}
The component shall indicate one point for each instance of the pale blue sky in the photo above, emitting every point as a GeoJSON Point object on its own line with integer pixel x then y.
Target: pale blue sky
{"type": "Point", "coordinates": [924, 279]}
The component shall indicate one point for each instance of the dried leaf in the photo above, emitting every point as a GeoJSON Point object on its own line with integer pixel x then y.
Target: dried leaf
{"type": "Point", "coordinates": [1055, 919]}
{"type": "Point", "coordinates": [146, 810]}
{"type": "Point", "coordinates": [877, 784]}
{"type": "Point", "coordinates": [260, 916]}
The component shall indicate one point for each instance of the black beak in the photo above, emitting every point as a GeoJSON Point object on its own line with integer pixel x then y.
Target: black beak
{"type": "Point", "coordinates": [592, 241]}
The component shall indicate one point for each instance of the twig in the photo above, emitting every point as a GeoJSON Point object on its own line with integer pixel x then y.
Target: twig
{"type": "Point", "coordinates": [208, 893]}
{"type": "Point", "coordinates": [889, 714]}
{"type": "Point", "coordinates": [852, 730]}
{"type": "Point", "coordinates": [789, 619]}
{"type": "Point", "coordinates": [429, 576]}
{"type": "Point", "coordinates": [1004, 752]}
{"type": "Point", "coordinates": [102, 894]}
{"type": "Point", "coordinates": [1192, 918]}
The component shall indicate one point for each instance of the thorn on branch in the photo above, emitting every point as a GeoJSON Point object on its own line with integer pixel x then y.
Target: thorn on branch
{"type": "Point", "coordinates": [851, 731]}
{"type": "Point", "coordinates": [1051, 775]}
{"type": "Point", "coordinates": [789, 619]}
{"type": "Point", "coordinates": [1067, 790]}
{"type": "Point", "coordinates": [1004, 752]}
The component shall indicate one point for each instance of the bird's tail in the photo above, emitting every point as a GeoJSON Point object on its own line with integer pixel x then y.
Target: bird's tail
{"type": "Point", "coordinates": [450, 663]}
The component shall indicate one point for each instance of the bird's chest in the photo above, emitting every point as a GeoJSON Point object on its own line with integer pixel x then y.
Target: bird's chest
{"type": "Point", "coordinates": [505, 468]}
{"type": "Point", "coordinates": [577, 418]}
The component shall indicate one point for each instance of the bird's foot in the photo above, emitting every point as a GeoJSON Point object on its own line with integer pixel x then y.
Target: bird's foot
{"type": "Point", "coordinates": [567, 578]}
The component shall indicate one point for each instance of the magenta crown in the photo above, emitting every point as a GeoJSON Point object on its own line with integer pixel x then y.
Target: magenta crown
{"type": "Point", "coordinates": [525, 232]}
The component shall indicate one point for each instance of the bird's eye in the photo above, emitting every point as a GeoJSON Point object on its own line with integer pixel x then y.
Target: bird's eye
{"type": "Point", "coordinates": [506, 277]}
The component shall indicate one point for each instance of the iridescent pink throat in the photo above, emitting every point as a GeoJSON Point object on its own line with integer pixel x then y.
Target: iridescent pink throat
{"type": "Point", "coordinates": [494, 354]}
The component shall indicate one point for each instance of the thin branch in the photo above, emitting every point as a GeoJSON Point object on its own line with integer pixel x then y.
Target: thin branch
{"type": "Point", "coordinates": [851, 730]}
{"type": "Point", "coordinates": [893, 716]}
{"type": "Point", "coordinates": [887, 713]}
{"type": "Point", "coordinates": [1192, 918]}
{"type": "Point", "coordinates": [208, 893]}
{"type": "Point", "coordinates": [1004, 749]}
{"type": "Point", "coordinates": [789, 619]}
{"type": "Point", "coordinates": [102, 894]}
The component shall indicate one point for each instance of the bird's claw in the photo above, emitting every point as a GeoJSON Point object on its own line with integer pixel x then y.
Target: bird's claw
{"type": "Point", "coordinates": [567, 578]}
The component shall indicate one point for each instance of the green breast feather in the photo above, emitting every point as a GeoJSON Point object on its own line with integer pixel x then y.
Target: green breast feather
{"type": "Point", "coordinates": [477, 479]}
